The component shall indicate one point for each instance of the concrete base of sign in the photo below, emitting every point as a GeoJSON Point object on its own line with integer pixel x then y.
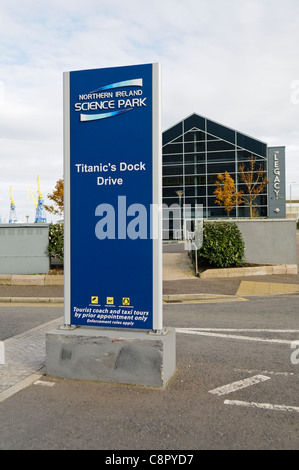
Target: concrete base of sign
{"type": "Point", "coordinates": [128, 357]}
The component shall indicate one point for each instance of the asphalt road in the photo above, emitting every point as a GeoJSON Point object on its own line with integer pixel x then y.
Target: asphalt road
{"type": "Point", "coordinates": [15, 319]}
{"type": "Point", "coordinates": [235, 388]}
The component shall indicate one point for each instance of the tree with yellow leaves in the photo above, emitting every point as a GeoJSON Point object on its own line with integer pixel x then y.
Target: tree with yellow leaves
{"type": "Point", "coordinates": [225, 192]}
{"type": "Point", "coordinates": [57, 198]}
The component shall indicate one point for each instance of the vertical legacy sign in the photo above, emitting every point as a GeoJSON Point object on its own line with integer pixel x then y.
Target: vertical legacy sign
{"type": "Point", "coordinates": [112, 191]}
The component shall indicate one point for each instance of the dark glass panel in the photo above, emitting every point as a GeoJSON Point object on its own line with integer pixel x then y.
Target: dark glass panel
{"type": "Point", "coordinates": [179, 139]}
{"type": "Point", "coordinates": [191, 180]}
{"type": "Point", "coordinates": [195, 200]}
{"type": "Point", "coordinates": [173, 170]}
{"type": "Point", "coordinates": [170, 200]}
{"type": "Point", "coordinates": [211, 137]}
{"type": "Point", "coordinates": [192, 136]}
{"type": "Point", "coordinates": [194, 147]}
{"type": "Point", "coordinates": [169, 159]}
{"type": "Point", "coordinates": [173, 148]}
{"type": "Point", "coordinates": [263, 211]}
{"type": "Point", "coordinates": [220, 167]}
{"type": "Point", "coordinates": [219, 212]}
{"type": "Point", "coordinates": [244, 211]}
{"type": "Point", "coordinates": [169, 192]}
{"type": "Point", "coordinates": [258, 164]}
{"type": "Point", "coordinates": [195, 157]}
{"type": "Point", "coordinates": [195, 191]}
{"type": "Point", "coordinates": [243, 186]}
{"type": "Point", "coordinates": [172, 133]}
{"type": "Point", "coordinates": [221, 156]}
{"type": "Point", "coordinates": [211, 189]}
{"type": "Point", "coordinates": [194, 169]}
{"type": "Point", "coordinates": [201, 179]}
{"type": "Point", "coordinates": [252, 145]}
{"type": "Point", "coordinates": [212, 201]}
{"type": "Point", "coordinates": [220, 145]}
{"type": "Point", "coordinates": [194, 121]}
{"type": "Point", "coordinates": [244, 155]}
{"type": "Point", "coordinates": [172, 181]}
{"type": "Point", "coordinates": [220, 131]}
{"type": "Point", "coordinates": [191, 169]}
{"type": "Point", "coordinates": [212, 178]}
{"type": "Point", "coordinates": [260, 200]}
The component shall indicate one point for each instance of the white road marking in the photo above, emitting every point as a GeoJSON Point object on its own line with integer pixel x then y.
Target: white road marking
{"type": "Point", "coordinates": [233, 387]}
{"type": "Point", "coordinates": [19, 386]}
{"type": "Point", "coordinates": [25, 356]}
{"type": "Point", "coordinates": [247, 371]}
{"type": "Point", "coordinates": [209, 332]}
{"type": "Point", "coordinates": [43, 382]}
{"type": "Point", "coordinates": [2, 353]}
{"type": "Point", "coordinates": [265, 406]}
{"type": "Point", "coordinates": [255, 330]}
{"type": "Point", "coordinates": [204, 301]}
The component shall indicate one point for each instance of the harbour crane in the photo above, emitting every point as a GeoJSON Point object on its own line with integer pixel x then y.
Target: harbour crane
{"type": "Point", "coordinates": [30, 192]}
{"type": "Point", "coordinates": [40, 209]}
{"type": "Point", "coordinates": [39, 206]}
{"type": "Point", "coordinates": [12, 214]}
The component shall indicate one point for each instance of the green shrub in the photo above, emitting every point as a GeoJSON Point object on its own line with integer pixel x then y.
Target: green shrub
{"type": "Point", "coordinates": [223, 245]}
{"type": "Point", "coordinates": [56, 238]}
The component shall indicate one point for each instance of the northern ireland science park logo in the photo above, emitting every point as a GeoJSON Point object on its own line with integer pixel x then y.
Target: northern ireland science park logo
{"type": "Point", "coordinates": [111, 100]}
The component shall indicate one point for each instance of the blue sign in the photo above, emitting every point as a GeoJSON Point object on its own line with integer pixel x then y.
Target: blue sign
{"type": "Point", "coordinates": [113, 243]}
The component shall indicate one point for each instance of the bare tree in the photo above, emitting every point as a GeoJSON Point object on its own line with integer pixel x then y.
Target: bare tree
{"type": "Point", "coordinates": [255, 181]}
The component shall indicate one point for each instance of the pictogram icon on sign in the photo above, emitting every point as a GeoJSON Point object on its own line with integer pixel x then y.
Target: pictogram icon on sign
{"type": "Point", "coordinates": [94, 299]}
{"type": "Point", "coordinates": [109, 300]}
{"type": "Point", "coordinates": [126, 301]}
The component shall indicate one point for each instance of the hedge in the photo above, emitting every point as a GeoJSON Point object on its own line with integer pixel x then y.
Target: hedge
{"type": "Point", "coordinates": [223, 245]}
{"type": "Point", "coordinates": [56, 238]}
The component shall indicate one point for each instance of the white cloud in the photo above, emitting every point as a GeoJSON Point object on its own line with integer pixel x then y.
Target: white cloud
{"type": "Point", "coordinates": [232, 61]}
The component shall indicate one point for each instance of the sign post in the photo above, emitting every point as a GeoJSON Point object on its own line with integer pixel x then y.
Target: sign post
{"type": "Point", "coordinates": [113, 196]}
{"type": "Point", "coordinates": [113, 328]}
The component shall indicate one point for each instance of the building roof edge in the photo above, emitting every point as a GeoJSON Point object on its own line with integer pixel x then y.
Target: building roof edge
{"type": "Point", "coordinates": [220, 124]}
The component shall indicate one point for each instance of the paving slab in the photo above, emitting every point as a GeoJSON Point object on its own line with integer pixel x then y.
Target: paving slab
{"type": "Point", "coordinates": [177, 266]}
{"type": "Point", "coordinates": [24, 356]}
{"type": "Point", "coordinates": [28, 280]}
{"type": "Point", "coordinates": [266, 288]}
{"type": "Point", "coordinates": [31, 291]}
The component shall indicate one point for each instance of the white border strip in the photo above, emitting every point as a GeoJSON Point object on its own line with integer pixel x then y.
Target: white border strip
{"type": "Point", "coordinates": [157, 198]}
{"type": "Point", "coordinates": [19, 386]}
{"type": "Point", "coordinates": [2, 353]}
{"type": "Point", "coordinates": [66, 195]}
{"type": "Point", "coordinates": [265, 406]}
{"type": "Point", "coordinates": [251, 330]}
{"type": "Point", "coordinates": [233, 387]}
{"type": "Point", "coordinates": [230, 336]}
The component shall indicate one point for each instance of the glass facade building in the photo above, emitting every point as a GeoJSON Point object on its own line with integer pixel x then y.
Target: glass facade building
{"type": "Point", "coordinates": [196, 150]}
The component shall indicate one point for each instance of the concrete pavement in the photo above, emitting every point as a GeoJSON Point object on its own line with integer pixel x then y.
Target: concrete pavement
{"type": "Point", "coordinates": [50, 413]}
{"type": "Point", "coordinates": [25, 353]}
{"type": "Point", "coordinates": [178, 278]}
{"type": "Point", "coordinates": [247, 285]}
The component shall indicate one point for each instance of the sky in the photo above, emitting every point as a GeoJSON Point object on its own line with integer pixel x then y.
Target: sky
{"type": "Point", "coordinates": [235, 62]}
